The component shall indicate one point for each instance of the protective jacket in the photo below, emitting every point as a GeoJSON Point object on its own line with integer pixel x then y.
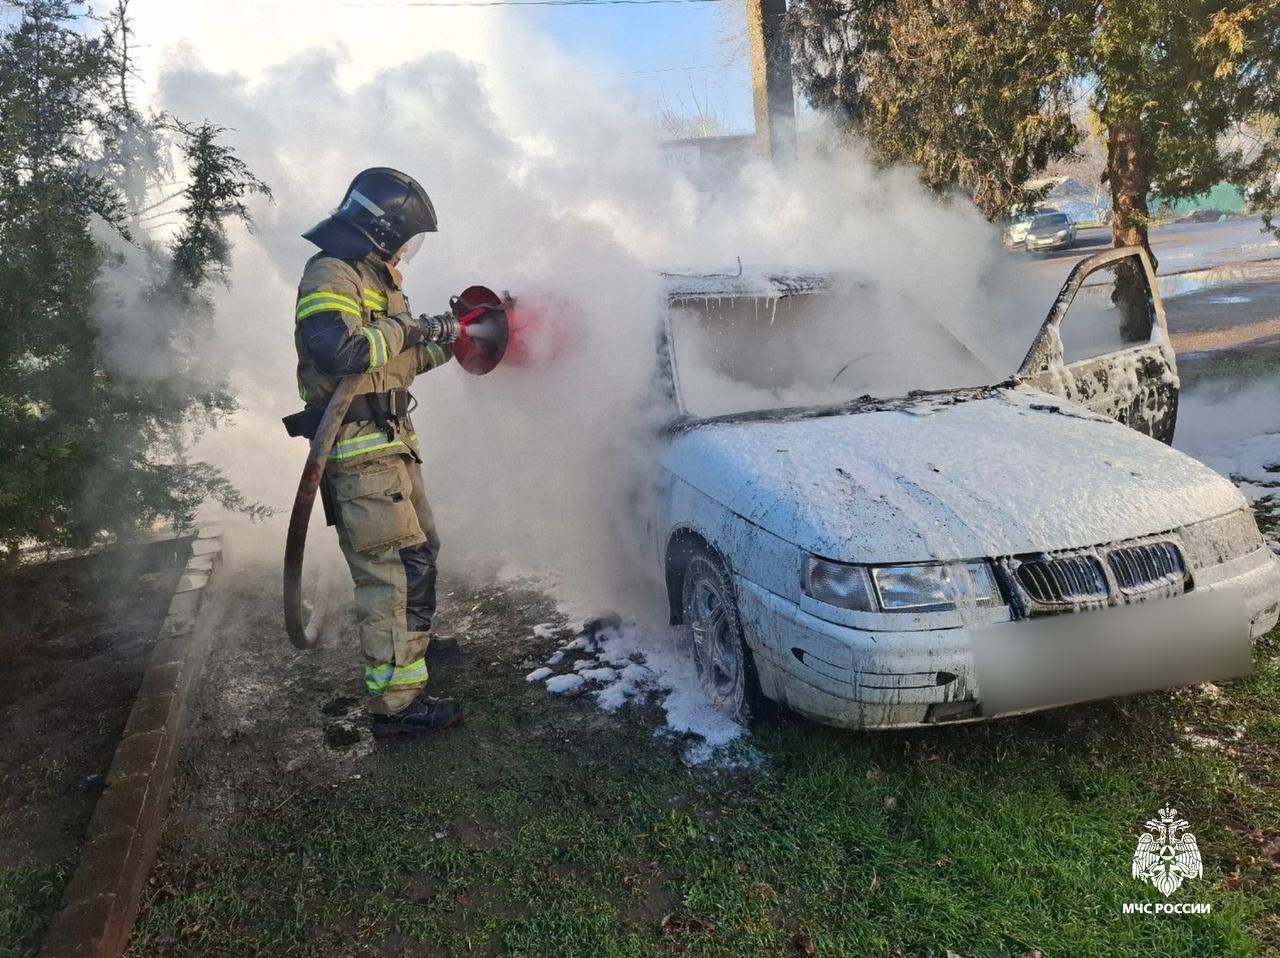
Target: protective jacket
{"type": "Point", "coordinates": [351, 318]}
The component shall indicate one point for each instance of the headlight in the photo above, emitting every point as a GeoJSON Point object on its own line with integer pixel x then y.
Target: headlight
{"type": "Point", "coordinates": [926, 587]}
{"type": "Point", "coordinates": [1214, 541]}
{"type": "Point", "coordinates": [936, 587]}
{"type": "Point", "coordinates": [846, 586]}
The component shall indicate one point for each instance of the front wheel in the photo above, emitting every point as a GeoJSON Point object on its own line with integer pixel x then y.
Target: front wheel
{"type": "Point", "coordinates": [720, 654]}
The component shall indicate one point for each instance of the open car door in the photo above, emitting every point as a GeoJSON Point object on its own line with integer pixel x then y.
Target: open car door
{"type": "Point", "coordinates": [1105, 344]}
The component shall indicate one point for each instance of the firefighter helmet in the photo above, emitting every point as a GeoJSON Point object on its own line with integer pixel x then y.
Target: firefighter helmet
{"type": "Point", "coordinates": [382, 210]}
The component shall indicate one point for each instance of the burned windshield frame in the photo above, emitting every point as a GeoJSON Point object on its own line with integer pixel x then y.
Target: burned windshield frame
{"type": "Point", "coordinates": [693, 293]}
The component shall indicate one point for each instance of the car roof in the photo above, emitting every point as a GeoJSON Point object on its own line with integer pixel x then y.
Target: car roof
{"type": "Point", "coordinates": [755, 283]}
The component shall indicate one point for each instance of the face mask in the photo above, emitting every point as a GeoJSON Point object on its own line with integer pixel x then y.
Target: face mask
{"type": "Point", "coordinates": [410, 249]}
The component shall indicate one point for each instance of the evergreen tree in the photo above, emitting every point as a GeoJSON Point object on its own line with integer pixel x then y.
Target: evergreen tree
{"type": "Point", "coordinates": [979, 94]}
{"type": "Point", "coordinates": [91, 444]}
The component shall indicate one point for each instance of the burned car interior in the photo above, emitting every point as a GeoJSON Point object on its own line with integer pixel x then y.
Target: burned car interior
{"type": "Point", "coordinates": [787, 340]}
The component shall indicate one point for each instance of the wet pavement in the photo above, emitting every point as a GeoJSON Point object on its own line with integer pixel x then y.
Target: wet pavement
{"type": "Point", "coordinates": [1178, 247]}
{"type": "Point", "coordinates": [1220, 283]}
{"type": "Point", "coordinates": [1228, 316]}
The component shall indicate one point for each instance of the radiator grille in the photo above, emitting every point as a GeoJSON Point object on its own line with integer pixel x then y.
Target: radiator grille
{"type": "Point", "coordinates": [1148, 566]}
{"type": "Point", "coordinates": [1063, 579]}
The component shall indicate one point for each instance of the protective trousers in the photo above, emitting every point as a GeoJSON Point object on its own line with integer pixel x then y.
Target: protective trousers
{"type": "Point", "coordinates": [388, 535]}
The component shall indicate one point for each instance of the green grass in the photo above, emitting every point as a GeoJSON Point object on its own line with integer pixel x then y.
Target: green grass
{"type": "Point", "coordinates": [559, 831]}
{"type": "Point", "coordinates": [989, 839]}
{"type": "Point", "coordinates": [27, 898]}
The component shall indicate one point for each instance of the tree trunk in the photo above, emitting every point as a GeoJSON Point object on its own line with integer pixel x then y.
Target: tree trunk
{"type": "Point", "coordinates": [1129, 220]}
{"type": "Point", "coordinates": [1127, 174]}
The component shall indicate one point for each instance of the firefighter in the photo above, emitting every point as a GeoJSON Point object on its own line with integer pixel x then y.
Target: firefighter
{"type": "Point", "coordinates": [352, 319]}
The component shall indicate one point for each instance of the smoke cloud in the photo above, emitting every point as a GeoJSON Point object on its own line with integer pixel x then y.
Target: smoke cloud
{"type": "Point", "coordinates": [552, 187]}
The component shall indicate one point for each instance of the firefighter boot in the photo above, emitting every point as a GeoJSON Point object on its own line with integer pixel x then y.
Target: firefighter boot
{"type": "Point", "coordinates": [444, 646]}
{"type": "Point", "coordinates": [425, 715]}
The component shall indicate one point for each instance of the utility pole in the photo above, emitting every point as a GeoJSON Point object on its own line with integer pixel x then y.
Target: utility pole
{"type": "Point", "coordinates": [771, 88]}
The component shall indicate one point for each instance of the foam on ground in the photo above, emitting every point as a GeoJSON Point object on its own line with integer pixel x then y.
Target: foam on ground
{"type": "Point", "coordinates": [632, 661]}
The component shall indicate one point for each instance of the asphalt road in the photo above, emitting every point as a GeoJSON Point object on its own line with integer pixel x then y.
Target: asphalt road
{"type": "Point", "coordinates": [1231, 313]}
{"type": "Point", "coordinates": [1241, 314]}
{"type": "Point", "coordinates": [1178, 247]}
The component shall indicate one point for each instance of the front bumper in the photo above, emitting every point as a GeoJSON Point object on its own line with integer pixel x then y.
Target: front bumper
{"type": "Point", "coordinates": [855, 678]}
{"type": "Point", "coordinates": [1053, 243]}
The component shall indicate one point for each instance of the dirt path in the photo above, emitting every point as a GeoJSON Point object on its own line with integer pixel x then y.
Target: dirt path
{"type": "Point", "coordinates": [75, 637]}
{"type": "Point", "coordinates": [272, 723]}
{"type": "Point", "coordinates": [1265, 334]}
{"type": "Point", "coordinates": [74, 642]}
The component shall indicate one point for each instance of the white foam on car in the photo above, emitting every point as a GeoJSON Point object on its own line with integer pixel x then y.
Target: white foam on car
{"type": "Point", "coordinates": [883, 487]}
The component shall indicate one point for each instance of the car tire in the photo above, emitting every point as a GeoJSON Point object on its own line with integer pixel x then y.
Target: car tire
{"type": "Point", "coordinates": [723, 661]}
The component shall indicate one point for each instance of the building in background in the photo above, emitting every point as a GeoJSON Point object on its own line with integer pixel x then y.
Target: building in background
{"type": "Point", "coordinates": [1223, 200]}
{"type": "Point", "coordinates": [709, 160]}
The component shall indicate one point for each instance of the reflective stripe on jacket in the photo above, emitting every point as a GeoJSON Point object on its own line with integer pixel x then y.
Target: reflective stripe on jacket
{"type": "Point", "coordinates": [350, 318]}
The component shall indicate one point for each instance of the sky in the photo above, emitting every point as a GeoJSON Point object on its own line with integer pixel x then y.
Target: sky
{"type": "Point", "coordinates": [672, 52]}
{"type": "Point", "coordinates": [669, 55]}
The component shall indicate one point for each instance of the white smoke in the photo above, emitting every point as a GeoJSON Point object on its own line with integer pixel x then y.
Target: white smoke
{"type": "Point", "coordinates": [1234, 426]}
{"type": "Point", "coordinates": [551, 187]}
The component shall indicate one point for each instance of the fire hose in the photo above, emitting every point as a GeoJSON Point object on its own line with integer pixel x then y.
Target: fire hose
{"type": "Point", "coordinates": [312, 474]}
{"type": "Point", "coordinates": [481, 345]}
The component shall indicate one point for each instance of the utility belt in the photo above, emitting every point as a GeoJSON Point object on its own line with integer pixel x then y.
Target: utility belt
{"type": "Point", "coordinates": [388, 410]}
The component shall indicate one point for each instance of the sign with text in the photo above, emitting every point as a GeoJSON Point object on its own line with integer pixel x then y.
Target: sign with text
{"type": "Point", "coordinates": [682, 158]}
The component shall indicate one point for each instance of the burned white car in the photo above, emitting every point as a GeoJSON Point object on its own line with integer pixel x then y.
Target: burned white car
{"type": "Point", "coordinates": [948, 555]}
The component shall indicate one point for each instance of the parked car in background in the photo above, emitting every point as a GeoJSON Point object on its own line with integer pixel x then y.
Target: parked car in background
{"type": "Point", "coordinates": [878, 559]}
{"type": "Point", "coordinates": [1203, 214]}
{"type": "Point", "coordinates": [1051, 231]}
{"type": "Point", "coordinates": [1015, 234]}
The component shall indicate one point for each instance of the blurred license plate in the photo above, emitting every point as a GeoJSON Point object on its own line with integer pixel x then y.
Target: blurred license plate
{"type": "Point", "coordinates": [1055, 660]}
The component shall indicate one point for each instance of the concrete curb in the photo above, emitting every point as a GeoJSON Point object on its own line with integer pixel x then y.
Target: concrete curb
{"type": "Point", "coordinates": [100, 902]}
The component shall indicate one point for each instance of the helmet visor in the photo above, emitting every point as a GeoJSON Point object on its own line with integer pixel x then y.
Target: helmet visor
{"type": "Point", "coordinates": [410, 249]}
